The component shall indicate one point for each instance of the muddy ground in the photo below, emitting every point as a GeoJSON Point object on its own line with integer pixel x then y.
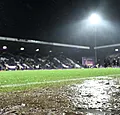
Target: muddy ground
{"type": "Point", "coordinates": [92, 97]}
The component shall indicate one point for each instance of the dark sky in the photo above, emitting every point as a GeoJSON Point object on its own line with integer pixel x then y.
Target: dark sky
{"type": "Point", "coordinates": [59, 20]}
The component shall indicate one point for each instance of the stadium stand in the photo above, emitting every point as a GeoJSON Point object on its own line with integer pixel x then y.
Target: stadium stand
{"type": "Point", "coordinates": [112, 60]}
{"type": "Point", "coordinates": [9, 61]}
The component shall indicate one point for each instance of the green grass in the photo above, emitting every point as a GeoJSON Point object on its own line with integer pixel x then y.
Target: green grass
{"type": "Point", "coordinates": [38, 86]}
{"type": "Point", "coordinates": [28, 76]}
{"type": "Point", "coordinates": [23, 77]}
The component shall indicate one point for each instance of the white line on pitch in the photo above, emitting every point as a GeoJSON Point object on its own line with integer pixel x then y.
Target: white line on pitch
{"type": "Point", "coordinates": [57, 81]}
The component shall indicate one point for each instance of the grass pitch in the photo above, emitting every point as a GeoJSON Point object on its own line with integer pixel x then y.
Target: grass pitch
{"type": "Point", "coordinates": [31, 76]}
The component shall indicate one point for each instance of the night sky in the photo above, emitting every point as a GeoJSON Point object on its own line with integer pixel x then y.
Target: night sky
{"type": "Point", "coordinates": [58, 20]}
{"type": "Point", "coordinates": [62, 21]}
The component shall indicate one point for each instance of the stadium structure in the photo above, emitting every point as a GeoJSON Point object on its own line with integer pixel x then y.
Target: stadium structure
{"type": "Point", "coordinates": [22, 54]}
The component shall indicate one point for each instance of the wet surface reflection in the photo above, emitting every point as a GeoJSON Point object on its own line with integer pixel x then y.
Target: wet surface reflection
{"type": "Point", "coordinates": [96, 97]}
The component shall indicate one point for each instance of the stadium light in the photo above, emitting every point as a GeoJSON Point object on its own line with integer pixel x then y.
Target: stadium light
{"type": "Point", "coordinates": [50, 51]}
{"type": "Point", "coordinates": [116, 50]}
{"type": "Point", "coordinates": [22, 48]}
{"type": "Point", "coordinates": [37, 50]}
{"type": "Point", "coordinates": [95, 20]}
{"type": "Point", "coordinates": [4, 47]}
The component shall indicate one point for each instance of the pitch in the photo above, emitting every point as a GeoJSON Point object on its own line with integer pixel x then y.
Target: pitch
{"type": "Point", "coordinates": [60, 92]}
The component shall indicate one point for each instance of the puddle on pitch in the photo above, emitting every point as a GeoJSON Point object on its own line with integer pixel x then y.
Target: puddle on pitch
{"type": "Point", "coordinates": [96, 97]}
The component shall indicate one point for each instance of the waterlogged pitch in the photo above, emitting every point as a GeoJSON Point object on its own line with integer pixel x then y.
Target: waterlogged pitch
{"type": "Point", "coordinates": [60, 92]}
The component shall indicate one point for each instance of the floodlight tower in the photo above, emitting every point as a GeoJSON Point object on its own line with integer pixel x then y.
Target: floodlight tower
{"type": "Point", "coordinates": [95, 19]}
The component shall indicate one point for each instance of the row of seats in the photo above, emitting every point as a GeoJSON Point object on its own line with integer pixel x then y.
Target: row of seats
{"type": "Point", "coordinates": [112, 60]}
{"type": "Point", "coordinates": [21, 62]}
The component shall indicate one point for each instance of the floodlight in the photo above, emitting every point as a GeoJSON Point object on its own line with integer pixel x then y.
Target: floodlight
{"type": "Point", "coordinates": [4, 47]}
{"type": "Point", "coordinates": [116, 50]}
{"type": "Point", "coordinates": [50, 51]}
{"type": "Point", "coordinates": [22, 48]}
{"type": "Point", "coordinates": [95, 18]}
{"type": "Point", "coordinates": [37, 50]}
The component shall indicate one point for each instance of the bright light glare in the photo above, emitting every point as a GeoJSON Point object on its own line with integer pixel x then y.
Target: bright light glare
{"type": "Point", "coordinates": [95, 18]}
{"type": "Point", "coordinates": [50, 51]}
{"type": "Point", "coordinates": [4, 47]}
{"type": "Point", "coordinates": [116, 50]}
{"type": "Point", "coordinates": [22, 49]}
{"type": "Point", "coordinates": [37, 50]}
